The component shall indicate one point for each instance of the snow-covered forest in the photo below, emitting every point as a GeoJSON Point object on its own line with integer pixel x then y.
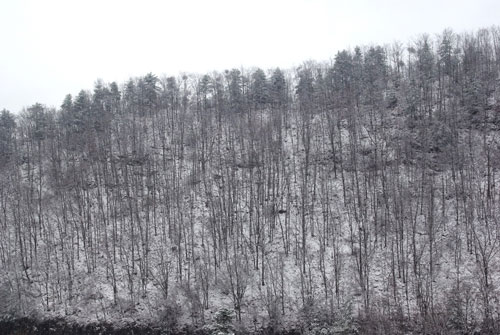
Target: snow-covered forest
{"type": "Point", "coordinates": [361, 194]}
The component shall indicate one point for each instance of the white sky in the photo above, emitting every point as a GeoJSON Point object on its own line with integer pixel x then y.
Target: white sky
{"type": "Point", "coordinates": [49, 48]}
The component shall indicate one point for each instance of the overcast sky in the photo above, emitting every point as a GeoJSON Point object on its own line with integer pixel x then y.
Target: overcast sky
{"type": "Point", "coordinates": [50, 48]}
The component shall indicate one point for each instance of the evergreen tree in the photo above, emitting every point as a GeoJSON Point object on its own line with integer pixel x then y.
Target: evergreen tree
{"type": "Point", "coordinates": [259, 89]}
{"type": "Point", "coordinates": [7, 137]}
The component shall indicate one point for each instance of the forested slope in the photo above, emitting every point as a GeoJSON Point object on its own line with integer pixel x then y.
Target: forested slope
{"type": "Point", "coordinates": [358, 193]}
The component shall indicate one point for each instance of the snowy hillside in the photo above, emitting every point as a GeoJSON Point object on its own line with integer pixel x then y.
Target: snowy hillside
{"type": "Point", "coordinates": [358, 196]}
